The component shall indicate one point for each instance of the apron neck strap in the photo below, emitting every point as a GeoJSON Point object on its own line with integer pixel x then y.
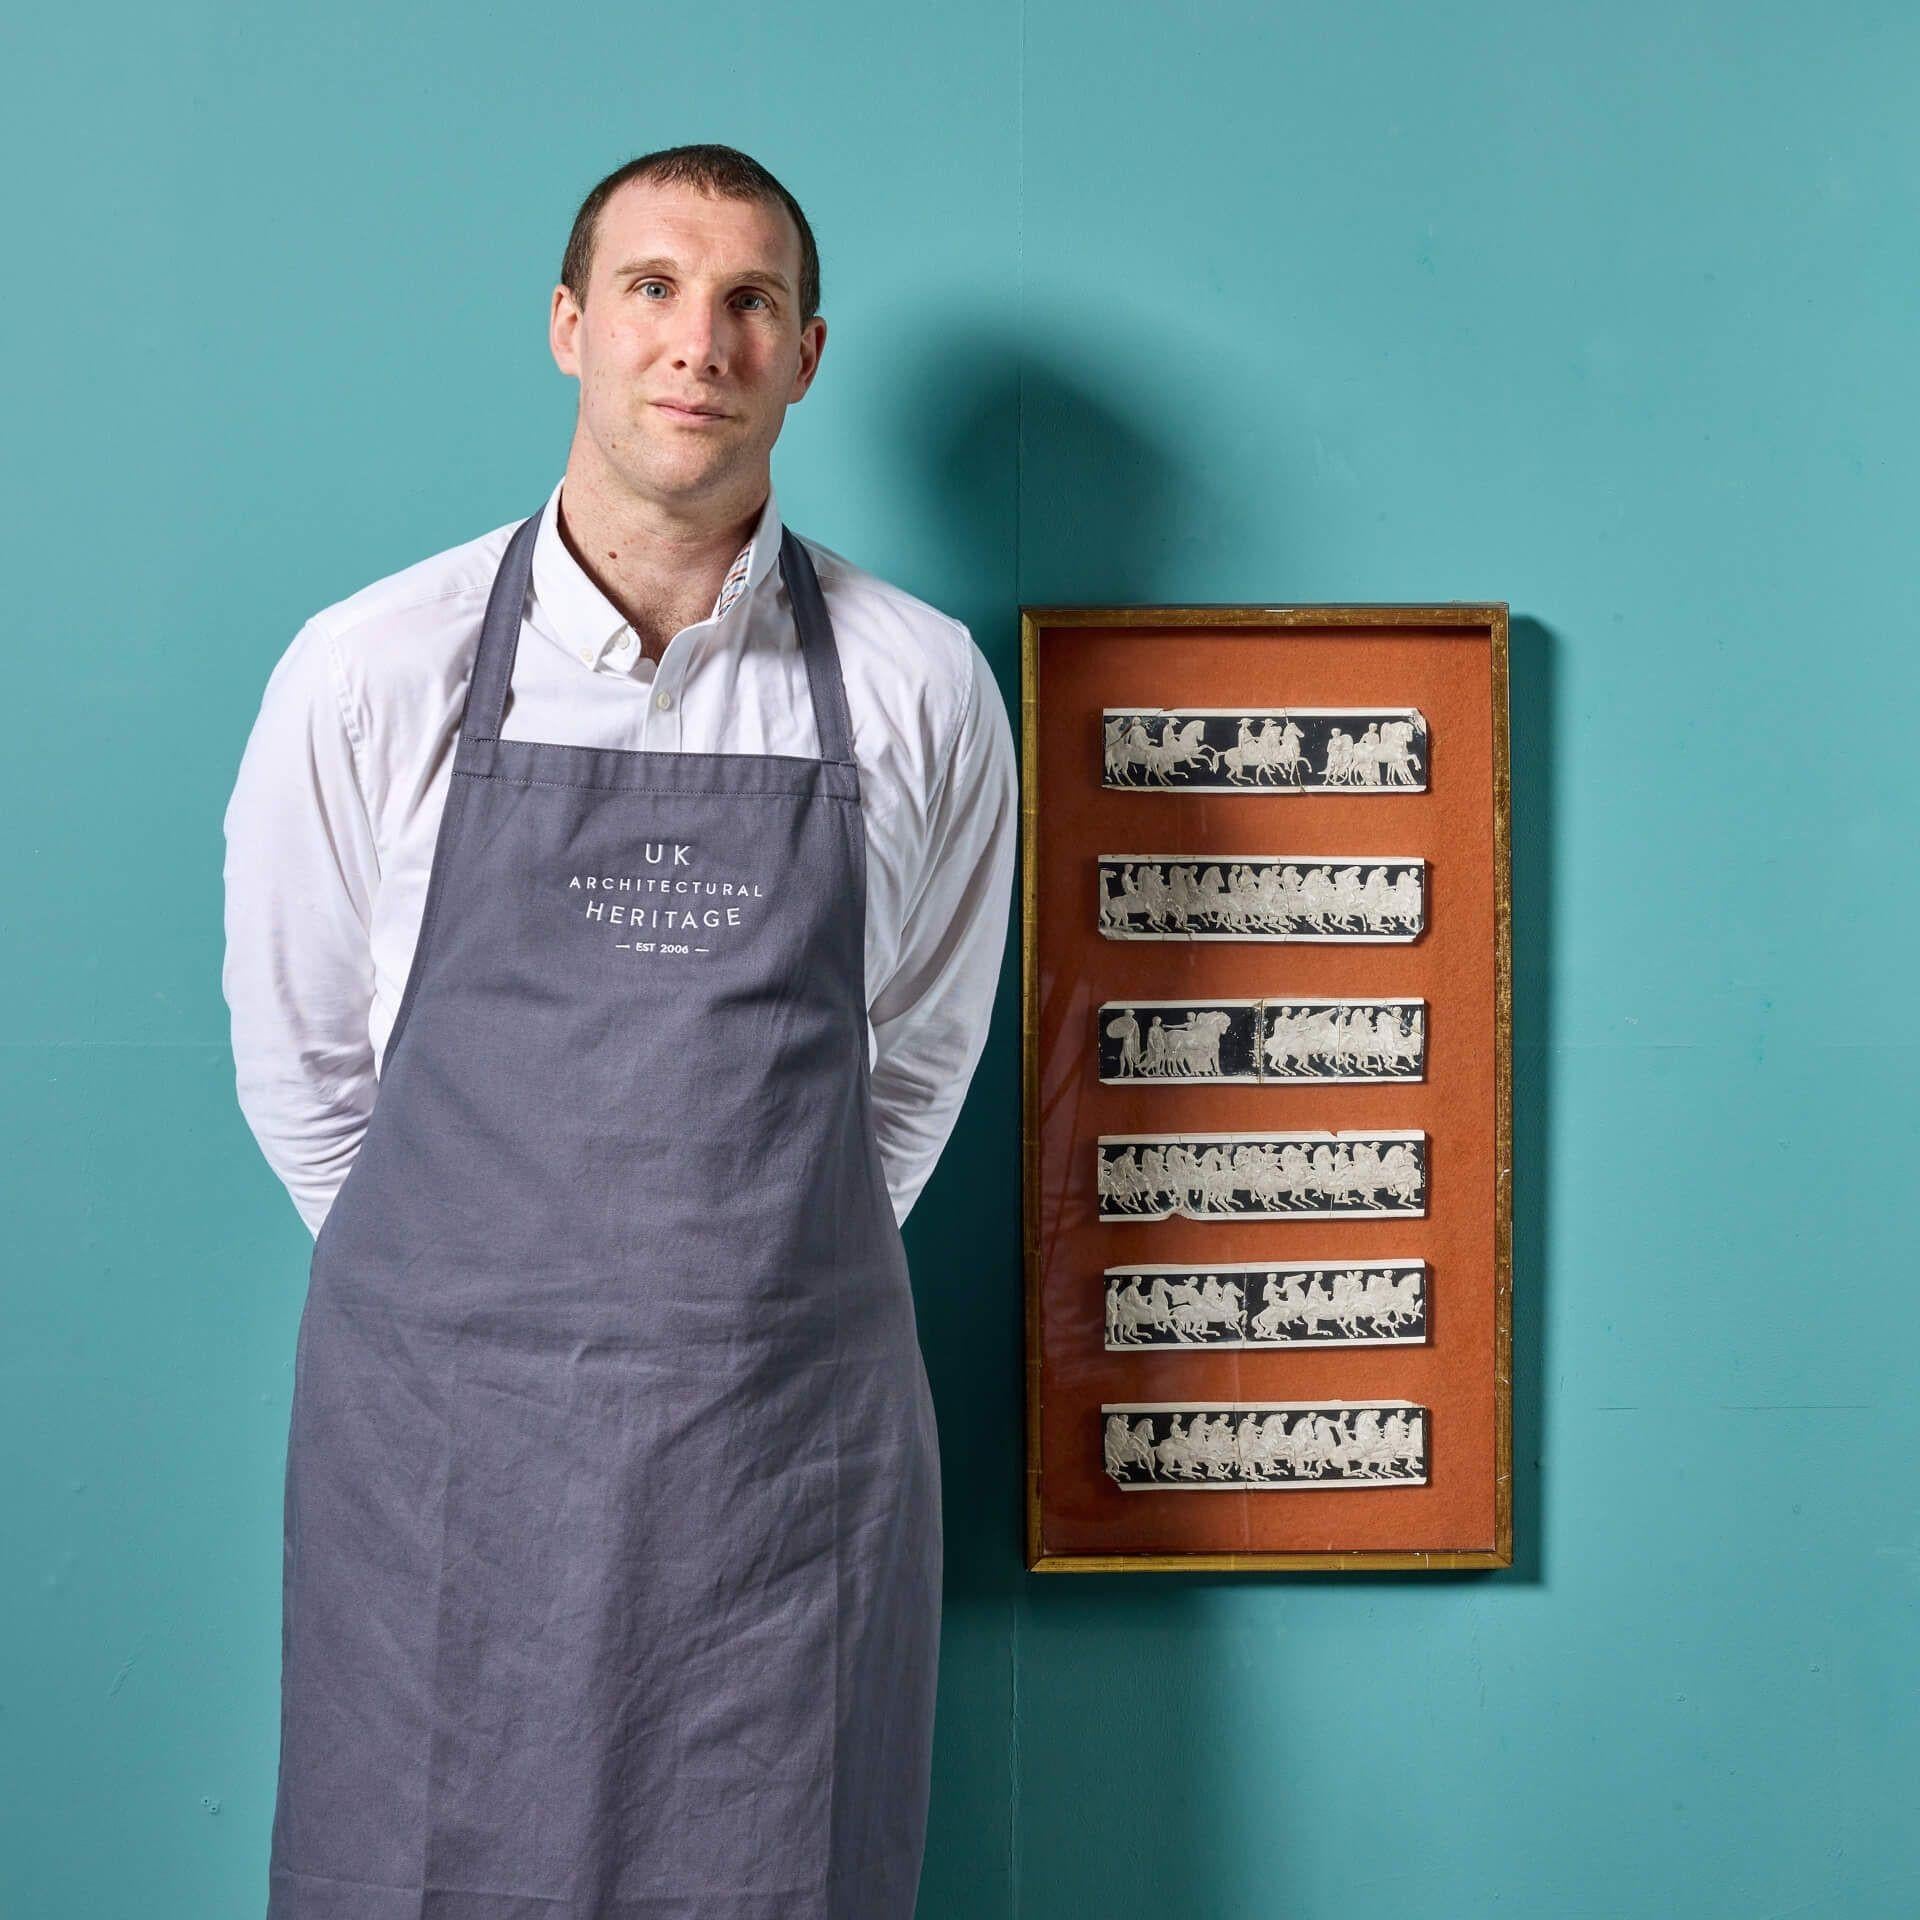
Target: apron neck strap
{"type": "Point", "coordinates": [486, 703]}
{"type": "Point", "coordinates": [831, 721]}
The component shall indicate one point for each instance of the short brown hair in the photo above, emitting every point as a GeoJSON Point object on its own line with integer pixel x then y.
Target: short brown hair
{"type": "Point", "coordinates": [724, 172]}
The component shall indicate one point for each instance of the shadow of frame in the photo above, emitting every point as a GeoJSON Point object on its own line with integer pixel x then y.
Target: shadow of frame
{"type": "Point", "coordinates": [1021, 450]}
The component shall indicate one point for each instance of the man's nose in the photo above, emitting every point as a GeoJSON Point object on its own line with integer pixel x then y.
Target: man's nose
{"type": "Point", "coordinates": [697, 340]}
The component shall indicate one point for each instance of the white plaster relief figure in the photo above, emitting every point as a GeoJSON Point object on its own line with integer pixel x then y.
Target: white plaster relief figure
{"type": "Point", "coordinates": [1279, 750]}
{"type": "Point", "coordinates": [1239, 1175]}
{"type": "Point", "coordinates": [1344, 1040]}
{"type": "Point", "coordinates": [1250, 1041]}
{"type": "Point", "coordinates": [1237, 1445]}
{"type": "Point", "coordinates": [1266, 1304]}
{"type": "Point", "coordinates": [1260, 897]}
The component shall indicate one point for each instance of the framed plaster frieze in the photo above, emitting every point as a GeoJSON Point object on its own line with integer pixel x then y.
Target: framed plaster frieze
{"type": "Point", "coordinates": [1223, 1446]}
{"type": "Point", "coordinates": [1268, 1042]}
{"type": "Point", "coordinates": [1266, 1303]}
{"type": "Point", "coordinates": [1197, 895]}
{"type": "Point", "coordinates": [1266, 1087]}
{"type": "Point", "coordinates": [1270, 750]}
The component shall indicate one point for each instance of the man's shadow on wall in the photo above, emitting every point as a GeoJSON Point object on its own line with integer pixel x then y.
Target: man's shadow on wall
{"type": "Point", "coordinates": [1023, 455]}
{"type": "Point", "coordinates": [1091, 509]}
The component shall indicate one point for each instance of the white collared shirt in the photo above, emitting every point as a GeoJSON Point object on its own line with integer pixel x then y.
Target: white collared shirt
{"type": "Point", "coordinates": [331, 827]}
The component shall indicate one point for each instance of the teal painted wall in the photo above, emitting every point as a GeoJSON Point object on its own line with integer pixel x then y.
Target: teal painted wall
{"type": "Point", "coordinates": [1608, 312]}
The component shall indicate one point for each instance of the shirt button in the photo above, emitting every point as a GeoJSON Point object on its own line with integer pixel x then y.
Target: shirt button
{"type": "Point", "coordinates": [663, 700]}
{"type": "Point", "coordinates": [586, 654]}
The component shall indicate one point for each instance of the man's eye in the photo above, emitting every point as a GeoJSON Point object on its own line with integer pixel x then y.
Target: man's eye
{"type": "Point", "coordinates": [761, 297]}
{"type": "Point", "coordinates": [645, 284]}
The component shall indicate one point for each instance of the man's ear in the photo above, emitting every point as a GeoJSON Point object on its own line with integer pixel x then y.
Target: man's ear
{"type": "Point", "coordinates": [563, 330]}
{"type": "Point", "coordinates": [813, 343]}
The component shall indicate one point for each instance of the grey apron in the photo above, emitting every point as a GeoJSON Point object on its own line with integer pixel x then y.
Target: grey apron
{"type": "Point", "coordinates": [612, 1550]}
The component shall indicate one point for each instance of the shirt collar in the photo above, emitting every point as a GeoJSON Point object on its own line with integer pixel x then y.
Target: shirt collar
{"type": "Point", "coordinates": [580, 618]}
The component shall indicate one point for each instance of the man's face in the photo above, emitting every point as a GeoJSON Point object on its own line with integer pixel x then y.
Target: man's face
{"type": "Point", "coordinates": [689, 348]}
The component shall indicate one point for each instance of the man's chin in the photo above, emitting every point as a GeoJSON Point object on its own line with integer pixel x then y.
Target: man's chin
{"type": "Point", "coordinates": [670, 477]}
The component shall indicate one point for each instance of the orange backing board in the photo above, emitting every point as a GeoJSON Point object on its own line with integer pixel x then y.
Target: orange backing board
{"type": "Point", "coordinates": [1449, 674]}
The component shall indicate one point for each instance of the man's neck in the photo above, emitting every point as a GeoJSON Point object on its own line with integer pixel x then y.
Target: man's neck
{"type": "Point", "coordinates": [662, 569]}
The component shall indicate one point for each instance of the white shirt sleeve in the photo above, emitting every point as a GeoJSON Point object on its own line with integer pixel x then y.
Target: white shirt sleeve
{"type": "Point", "coordinates": [301, 872]}
{"type": "Point", "coordinates": [930, 1020]}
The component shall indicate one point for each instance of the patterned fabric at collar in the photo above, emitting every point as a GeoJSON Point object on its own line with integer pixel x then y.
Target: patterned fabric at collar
{"type": "Point", "coordinates": [735, 584]}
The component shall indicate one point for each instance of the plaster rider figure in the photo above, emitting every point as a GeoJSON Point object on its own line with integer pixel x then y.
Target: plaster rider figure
{"type": "Point", "coordinates": [654, 864]}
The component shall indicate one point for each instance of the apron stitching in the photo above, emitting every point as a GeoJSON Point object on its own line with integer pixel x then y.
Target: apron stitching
{"type": "Point", "coordinates": [696, 793]}
{"type": "Point", "coordinates": [484, 749]}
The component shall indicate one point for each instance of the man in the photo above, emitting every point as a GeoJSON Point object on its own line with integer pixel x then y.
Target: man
{"type": "Point", "coordinates": [656, 863]}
